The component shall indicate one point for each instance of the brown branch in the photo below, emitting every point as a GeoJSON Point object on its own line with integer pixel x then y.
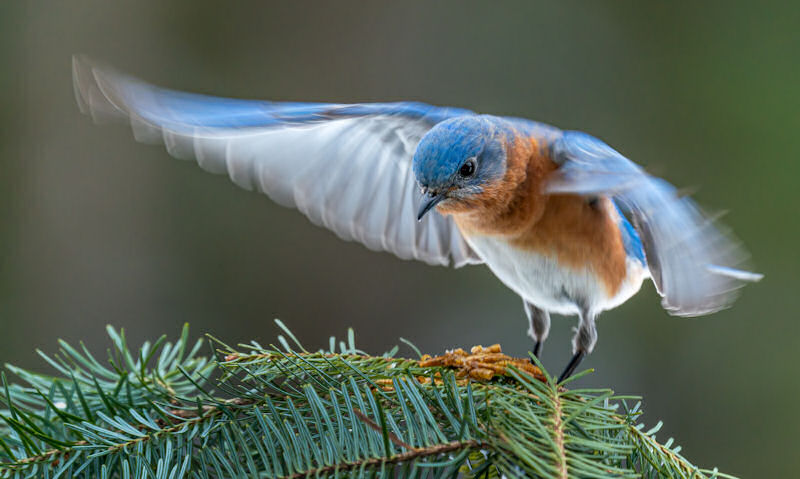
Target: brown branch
{"type": "Point", "coordinates": [392, 436]}
{"type": "Point", "coordinates": [558, 429]}
{"type": "Point", "coordinates": [396, 459]}
{"type": "Point", "coordinates": [234, 357]}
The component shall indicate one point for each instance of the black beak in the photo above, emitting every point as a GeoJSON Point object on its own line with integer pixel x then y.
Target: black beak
{"type": "Point", "coordinates": [429, 202]}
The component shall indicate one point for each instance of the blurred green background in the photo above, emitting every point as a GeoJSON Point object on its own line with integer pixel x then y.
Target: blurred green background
{"type": "Point", "coordinates": [96, 229]}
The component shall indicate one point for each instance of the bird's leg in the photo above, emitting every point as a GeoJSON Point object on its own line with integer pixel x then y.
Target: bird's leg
{"type": "Point", "coordinates": [573, 363]}
{"type": "Point", "coordinates": [582, 343]}
{"type": "Point", "coordinates": [538, 326]}
{"type": "Point", "coordinates": [537, 348]}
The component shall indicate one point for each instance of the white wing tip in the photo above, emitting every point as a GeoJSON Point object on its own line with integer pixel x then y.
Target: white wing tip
{"type": "Point", "coordinates": [78, 80]}
{"type": "Point", "coordinates": [97, 90]}
{"type": "Point", "coordinates": [735, 273]}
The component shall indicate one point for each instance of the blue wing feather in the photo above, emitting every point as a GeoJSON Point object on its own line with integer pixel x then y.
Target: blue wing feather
{"type": "Point", "coordinates": [630, 238]}
{"type": "Point", "coordinates": [185, 110]}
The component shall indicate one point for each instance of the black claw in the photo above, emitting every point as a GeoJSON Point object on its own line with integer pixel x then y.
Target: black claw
{"type": "Point", "coordinates": [537, 348]}
{"type": "Point", "coordinates": [573, 363]}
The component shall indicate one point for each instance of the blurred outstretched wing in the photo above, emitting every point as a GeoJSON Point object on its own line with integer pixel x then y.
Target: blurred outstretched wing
{"type": "Point", "coordinates": [692, 260]}
{"type": "Point", "coordinates": [346, 167]}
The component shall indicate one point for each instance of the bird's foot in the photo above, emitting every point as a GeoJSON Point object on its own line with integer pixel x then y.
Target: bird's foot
{"type": "Point", "coordinates": [573, 363]}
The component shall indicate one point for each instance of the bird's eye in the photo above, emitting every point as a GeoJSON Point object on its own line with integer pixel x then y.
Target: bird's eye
{"type": "Point", "coordinates": [467, 169]}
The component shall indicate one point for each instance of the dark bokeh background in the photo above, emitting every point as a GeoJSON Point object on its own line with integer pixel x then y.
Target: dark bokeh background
{"type": "Point", "coordinates": [96, 229]}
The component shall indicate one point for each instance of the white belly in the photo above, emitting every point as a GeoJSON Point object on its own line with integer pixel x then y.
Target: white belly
{"type": "Point", "coordinates": [541, 281]}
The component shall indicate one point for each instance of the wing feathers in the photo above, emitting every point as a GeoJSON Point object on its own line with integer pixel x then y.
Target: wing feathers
{"type": "Point", "coordinates": [693, 260]}
{"type": "Point", "coordinates": [346, 167]}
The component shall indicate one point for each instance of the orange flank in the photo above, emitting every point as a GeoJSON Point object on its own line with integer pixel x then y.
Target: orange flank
{"type": "Point", "coordinates": [582, 234]}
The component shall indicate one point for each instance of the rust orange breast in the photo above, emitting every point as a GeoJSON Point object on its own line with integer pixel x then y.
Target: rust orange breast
{"type": "Point", "coordinates": [580, 233]}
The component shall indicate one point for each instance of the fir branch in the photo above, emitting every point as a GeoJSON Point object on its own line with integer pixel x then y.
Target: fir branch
{"type": "Point", "coordinates": [291, 413]}
{"type": "Point", "coordinates": [413, 454]}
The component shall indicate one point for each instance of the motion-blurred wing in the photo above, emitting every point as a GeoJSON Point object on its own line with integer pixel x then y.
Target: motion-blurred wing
{"type": "Point", "coordinates": [347, 167]}
{"type": "Point", "coordinates": [692, 261]}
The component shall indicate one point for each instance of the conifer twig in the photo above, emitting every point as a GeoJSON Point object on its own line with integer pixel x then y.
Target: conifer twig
{"type": "Point", "coordinates": [283, 413]}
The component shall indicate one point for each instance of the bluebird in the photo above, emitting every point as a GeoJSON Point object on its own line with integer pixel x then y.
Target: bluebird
{"type": "Point", "coordinates": [562, 219]}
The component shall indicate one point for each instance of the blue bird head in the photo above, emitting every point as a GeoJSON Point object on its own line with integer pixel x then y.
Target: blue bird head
{"type": "Point", "coordinates": [458, 157]}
